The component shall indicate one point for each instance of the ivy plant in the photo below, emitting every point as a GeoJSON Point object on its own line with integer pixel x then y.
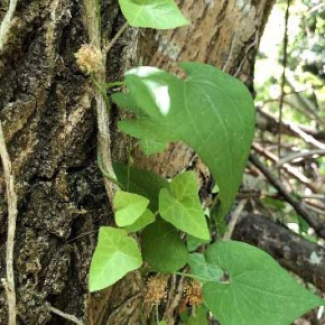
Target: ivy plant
{"type": "Point", "coordinates": [162, 222]}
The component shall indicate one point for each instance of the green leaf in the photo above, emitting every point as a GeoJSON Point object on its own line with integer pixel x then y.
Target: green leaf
{"type": "Point", "coordinates": [258, 292]}
{"type": "Point", "coordinates": [180, 205]}
{"type": "Point", "coordinates": [209, 110]}
{"type": "Point", "coordinates": [151, 147]}
{"type": "Point", "coordinates": [200, 317]}
{"type": "Point", "coordinates": [162, 248]}
{"type": "Point", "coordinates": [144, 220]}
{"type": "Point", "coordinates": [203, 270]}
{"type": "Point", "coordinates": [194, 243]}
{"type": "Point", "coordinates": [162, 323]}
{"type": "Point", "coordinates": [116, 255]}
{"type": "Point", "coordinates": [158, 14]}
{"type": "Point", "coordinates": [141, 182]}
{"type": "Point", "coordinates": [129, 207]}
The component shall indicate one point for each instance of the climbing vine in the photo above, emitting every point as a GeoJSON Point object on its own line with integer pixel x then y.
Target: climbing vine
{"type": "Point", "coordinates": [161, 222]}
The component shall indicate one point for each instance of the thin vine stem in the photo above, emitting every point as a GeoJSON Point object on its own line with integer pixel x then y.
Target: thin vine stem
{"type": "Point", "coordinates": [105, 173]}
{"type": "Point", "coordinates": [190, 276]}
{"type": "Point", "coordinates": [109, 46]}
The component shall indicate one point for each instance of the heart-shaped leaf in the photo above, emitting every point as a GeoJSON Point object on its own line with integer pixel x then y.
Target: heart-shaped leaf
{"type": "Point", "coordinates": [258, 291]}
{"type": "Point", "coordinates": [158, 14]}
{"type": "Point", "coordinates": [144, 220]}
{"type": "Point", "coordinates": [142, 182]}
{"type": "Point", "coordinates": [116, 255]}
{"type": "Point", "coordinates": [128, 208]}
{"type": "Point", "coordinates": [162, 248]}
{"type": "Point", "coordinates": [209, 110]}
{"type": "Point", "coordinates": [202, 269]}
{"type": "Point", "coordinates": [180, 205]}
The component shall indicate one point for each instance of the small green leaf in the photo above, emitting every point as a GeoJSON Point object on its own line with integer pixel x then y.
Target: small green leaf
{"type": "Point", "coordinates": [116, 255]}
{"type": "Point", "coordinates": [162, 248]}
{"type": "Point", "coordinates": [144, 220]}
{"type": "Point", "coordinates": [162, 323]}
{"type": "Point", "coordinates": [129, 207]}
{"type": "Point", "coordinates": [203, 270]}
{"type": "Point", "coordinates": [194, 243]}
{"type": "Point", "coordinates": [200, 317]}
{"type": "Point", "coordinates": [141, 182]}
{"type": "Point", "coordinates": [258, 291]}
{"type": "Point", "coordinates": [180, 205]}
{"type": "Point", "coordinates": [215, 189]}
{"type": "Point", "coordinates": [151, 147]}
{"type": "Point", "coordinates": [158, 14]}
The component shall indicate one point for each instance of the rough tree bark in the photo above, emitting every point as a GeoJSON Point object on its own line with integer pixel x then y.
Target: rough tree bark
{"type": "Point", "coordinates": [48, 111]}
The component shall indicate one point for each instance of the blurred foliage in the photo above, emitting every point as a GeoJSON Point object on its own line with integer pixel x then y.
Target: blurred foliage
{"type": "Point", "coordinates": [304, 102]}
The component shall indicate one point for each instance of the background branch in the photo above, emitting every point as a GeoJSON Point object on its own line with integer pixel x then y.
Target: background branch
{"type": "Point", "coordinates": [298, 206]}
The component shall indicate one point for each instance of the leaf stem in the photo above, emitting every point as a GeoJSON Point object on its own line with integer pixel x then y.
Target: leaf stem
{"type": "Point", "coordinates": [107, 85]}
{"type": "Point", "coordinates": [190, 276]}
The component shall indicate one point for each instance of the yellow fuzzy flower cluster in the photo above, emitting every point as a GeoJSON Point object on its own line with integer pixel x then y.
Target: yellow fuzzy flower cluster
{"type": "Point", "coordinates": [89, 59]}
{"type": "Point", "coordinates": [193, 293]}
{"type": "Point", "coordinates": [155, 290]}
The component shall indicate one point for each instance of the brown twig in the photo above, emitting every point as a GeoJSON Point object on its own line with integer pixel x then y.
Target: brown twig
{"type": "Point", "coordinates": [297, 155]}
{"type": "Point", "coordinates": [234, 219]}
{"type": "Point", "coordinates": [289, 169]}
{"type": "Point", "coordinates": [299, 207]}
{"type": "Point", "coordinates": [9, 283]}
{"type": "Point", "coordinates": [69, 317]}
{"type": "Point", "coordinates": [271, 124]}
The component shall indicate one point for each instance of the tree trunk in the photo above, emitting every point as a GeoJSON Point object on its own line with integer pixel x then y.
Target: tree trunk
{"type": "Point", "coordinates": [48, 115]}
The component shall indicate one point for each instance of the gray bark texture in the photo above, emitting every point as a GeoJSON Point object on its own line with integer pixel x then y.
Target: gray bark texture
{"type": "Point", "coordinates": [47, 107]}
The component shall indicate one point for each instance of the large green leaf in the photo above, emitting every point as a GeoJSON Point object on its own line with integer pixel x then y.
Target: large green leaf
{"type": "Point", "coordinates": [180, 205]}
{"type": "Point", "coordinates": [142, 182]}
{"type": "Point", "coordinates": [258, 291]}
{"type": "Point", "coordinates": [128, 207]}
{"type": "Point", "coordinates": [209, 110]}
{"type": "Point", "coordinates": [158, 14]}
{"type": "Point", "coordinates": [151, 147]}
{"type": "Point", "coordinates": [162, 248]}
{"type": "Point", "coordinates": [203, 270]}
{"type": "Point", "coordinates": [116, 255]}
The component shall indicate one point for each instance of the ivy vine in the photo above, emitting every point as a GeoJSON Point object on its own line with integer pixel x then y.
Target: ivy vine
{"type": "Point", "coordinates": [213, 113]}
